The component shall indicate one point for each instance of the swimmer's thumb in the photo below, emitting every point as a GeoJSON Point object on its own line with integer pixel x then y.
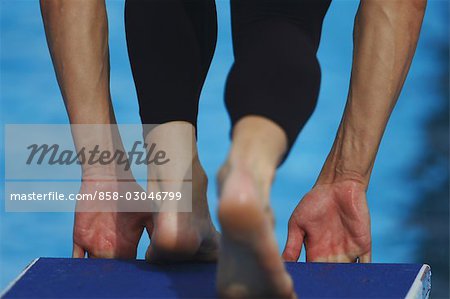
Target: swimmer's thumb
{"type": "Point", "coordinates": [294, 242]}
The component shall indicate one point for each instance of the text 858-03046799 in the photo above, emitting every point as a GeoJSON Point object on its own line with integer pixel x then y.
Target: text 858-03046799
{"type": "Point", "coordinates": [161, 195]}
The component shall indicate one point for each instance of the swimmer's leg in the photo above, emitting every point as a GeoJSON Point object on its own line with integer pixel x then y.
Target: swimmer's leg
{"type": "Point", "coordinates": [171, 45]}
{"type": "Point", "coordinates": [271, 92]}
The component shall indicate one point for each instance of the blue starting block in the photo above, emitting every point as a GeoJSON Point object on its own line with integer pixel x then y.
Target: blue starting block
{"type": "Point", "coordinates": [102, 278]}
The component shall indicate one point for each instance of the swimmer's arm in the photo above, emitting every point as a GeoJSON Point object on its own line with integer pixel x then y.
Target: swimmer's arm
{"type": "Point", "coordinates": [385, 39]}
{"type": "Point", "coordinates": [77, 36]}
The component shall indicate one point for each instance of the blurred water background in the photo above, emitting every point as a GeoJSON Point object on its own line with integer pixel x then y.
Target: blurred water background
{"type": "Point", "coordinates": [408, 195]}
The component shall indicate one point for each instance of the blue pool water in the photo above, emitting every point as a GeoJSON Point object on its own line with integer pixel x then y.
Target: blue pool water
{"type": "Point", "coordinates": [29, 94]}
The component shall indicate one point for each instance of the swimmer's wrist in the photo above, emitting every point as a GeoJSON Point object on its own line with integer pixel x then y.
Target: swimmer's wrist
{"type": "Point", "coordinates": [100, 152]}
{"type": "Point", "coordinates": [351, 158]}
{"type": "Point", "coordinates": [106, 172]}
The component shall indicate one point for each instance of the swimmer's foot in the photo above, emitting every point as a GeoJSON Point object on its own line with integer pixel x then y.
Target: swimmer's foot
{"type": "Point", "coordinates": [249, 262]}
{"type": "Point", "coordinates": [185, 236]}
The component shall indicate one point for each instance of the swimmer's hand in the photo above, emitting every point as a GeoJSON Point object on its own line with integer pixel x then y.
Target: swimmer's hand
{"type": "Point", "coordinates": [104, 232]}
{"type": "Point", "coordinates": [333, 222]}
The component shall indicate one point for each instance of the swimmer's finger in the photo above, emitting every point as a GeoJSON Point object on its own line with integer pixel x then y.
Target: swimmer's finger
{"type": "Point", "coordinates": [366, 258]}
{"type": "Point", "coordinates": [78, 251]}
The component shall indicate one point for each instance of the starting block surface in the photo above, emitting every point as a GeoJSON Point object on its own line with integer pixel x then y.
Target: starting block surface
{"type": "Point", "coordinates": [101, 278]}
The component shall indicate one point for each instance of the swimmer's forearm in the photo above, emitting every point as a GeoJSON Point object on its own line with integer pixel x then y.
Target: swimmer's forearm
{"type": "Point", "coordinates": [77, 36]}
{"type": "Point", "coordinates": [385, 39]}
